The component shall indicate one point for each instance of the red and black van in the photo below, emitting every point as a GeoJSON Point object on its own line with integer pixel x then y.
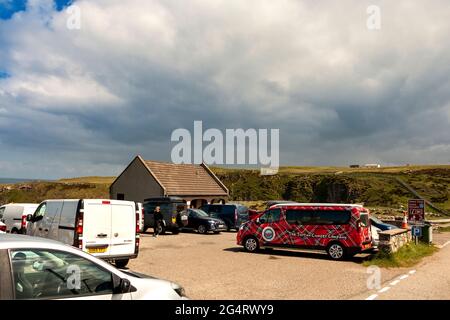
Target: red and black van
{"type": "Point", "coordinates": [340, 229]}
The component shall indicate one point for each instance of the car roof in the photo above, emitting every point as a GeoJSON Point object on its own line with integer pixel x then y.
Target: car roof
{"type": "Point", "coordinates": [9, 241]}
{"type": "Point", "coordinates": [19, 204]}
{"type": "Point", "coordinates": [295, 204]}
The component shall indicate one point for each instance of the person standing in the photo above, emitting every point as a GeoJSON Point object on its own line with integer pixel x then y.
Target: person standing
{"type": "Point", "coordinates": [157, 215]}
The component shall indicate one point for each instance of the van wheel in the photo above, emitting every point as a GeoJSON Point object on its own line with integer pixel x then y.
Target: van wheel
{"type": "Point", "coordinates": [201, 229]}
{"type": "Point", "coordinates": [251, 244]}
{"type": "Point", "coordinates": [121, 263]}
{"type": "Point", "coordinates": [175, 231]}
{"type": "Point", "coordinates": [336, 251]}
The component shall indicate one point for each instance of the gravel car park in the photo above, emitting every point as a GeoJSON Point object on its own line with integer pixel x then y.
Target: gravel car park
{"type": "Point", "coordinates": [215, 267]}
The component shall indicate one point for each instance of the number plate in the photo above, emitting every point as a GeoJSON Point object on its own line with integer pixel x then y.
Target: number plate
{"type": "Point", "coordinates": [97, 250]}
{"type": "Point", "coordinates": [184, 217]}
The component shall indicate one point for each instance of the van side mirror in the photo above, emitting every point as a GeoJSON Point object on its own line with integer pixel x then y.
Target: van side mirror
{"type": "Point", "coordinates": [29, 217]}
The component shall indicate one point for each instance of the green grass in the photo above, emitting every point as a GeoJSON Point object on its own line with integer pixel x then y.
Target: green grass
{"type": "Point", "coordinates": [375, 188]}
{"type": "Point", "coordinates": [107, 180]}
{"type": "Point", "coordinates": [407, 256]}
{"type": "Point", "coordinates": [324, 169]}
{"type": "Point", "coordinates": [55, 190]}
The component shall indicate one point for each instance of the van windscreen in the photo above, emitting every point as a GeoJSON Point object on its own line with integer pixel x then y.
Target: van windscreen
{"type": "Point", "coordinates": [364, 218]}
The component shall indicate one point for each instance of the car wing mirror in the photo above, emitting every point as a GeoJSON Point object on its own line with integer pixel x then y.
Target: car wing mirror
{"type": "Point", "coordinates": [122, 286]}
{"type": "Point", "coordinates": [29, 218]}
{"type": "Point", "coordinates": [260, 220]}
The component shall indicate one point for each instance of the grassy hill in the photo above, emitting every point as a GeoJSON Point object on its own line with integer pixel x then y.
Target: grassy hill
{"type": "Point", "coordinates": [376, 188]}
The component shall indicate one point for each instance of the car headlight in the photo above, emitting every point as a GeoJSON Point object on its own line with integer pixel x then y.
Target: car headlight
{"type": "Point", "coordinates": [179, 289]}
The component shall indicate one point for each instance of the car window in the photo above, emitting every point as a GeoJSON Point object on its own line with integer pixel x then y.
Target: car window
{"type": "Point", "coordinates": [192, 214]}
{"type": "Point", "coordinates": [200, 213]}
{"type": "Point", "coordinates": [364, 218]}
{"type": "Point", "coordinates": [242, 210]}
{"type": "Point", "coordinates": [2, 210]}
{"type": "Point", "coordinates": [181, 207]}
{"type": "Point", "coordinates": [214, 209]}
{"type": "Point", "coordinates": [228, 209]}
{"type": "Point", "coordinates": [271, 216]}
{"type": "Point", "coordinates": [46, 274]}
{"type": "Point", "coordinates": [40, 211]}
{"type": "Point", "coordinates": [331, 217]}
{"type": "Point", "coordinates": [149, 207]}
{"type": "Point", "coordinates": [376, 220]}
{"type": "Point", "coordinates": [299, 217]}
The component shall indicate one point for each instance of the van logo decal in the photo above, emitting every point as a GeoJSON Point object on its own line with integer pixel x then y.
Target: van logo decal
{"type": "Point", "coordinates": [268, 234]}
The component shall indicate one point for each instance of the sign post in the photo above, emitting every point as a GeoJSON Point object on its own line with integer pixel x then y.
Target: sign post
{"type": "Point", "coordinates": [416, 232]}
{"type": "Point", "coordinates": [416, 211]}
{"type": "Point", "coordinates": [416, 217]}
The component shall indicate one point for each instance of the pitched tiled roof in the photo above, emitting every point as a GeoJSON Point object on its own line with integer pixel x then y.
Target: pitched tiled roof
{"type": "Point", "coordinates": [186, 179]}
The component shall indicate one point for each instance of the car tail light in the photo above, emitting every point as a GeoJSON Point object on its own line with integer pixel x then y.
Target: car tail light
{"type": "Point", "coordinates": [23, 223]}
{"type": "Point", "coordinates": [138, 224]}
{"type": "Point", "coordinates": [79, 226]}
{"type": "Point", "coordinates": [106, 202]}
{"type": "Point", "coordinates": [136, 248]}
{"type": "Point", "coordinates": [3, 228]}
{"type": "Point", "coordinates": [78, 238]}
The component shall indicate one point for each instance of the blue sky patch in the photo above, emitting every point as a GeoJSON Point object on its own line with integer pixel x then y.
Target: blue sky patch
{"type": "Point", "coordinates": [9, 7]}
{"type": "Point", "coordinates": [61, 4]}
{"type": "Point", "coordinates": [4, 74]}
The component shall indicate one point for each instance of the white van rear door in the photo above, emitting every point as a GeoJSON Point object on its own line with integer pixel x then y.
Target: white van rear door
{"type": "Point", "coordinates": [123, 228]}
{"type": "Point", "coordinates": [97, 227]}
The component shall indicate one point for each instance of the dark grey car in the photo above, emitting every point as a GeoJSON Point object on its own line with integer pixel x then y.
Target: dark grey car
{"type": "Point", "coordinates": [232, 214]}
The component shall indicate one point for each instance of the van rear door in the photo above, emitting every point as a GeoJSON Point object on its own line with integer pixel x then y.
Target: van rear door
{"type": "Point", "coordinates": [123, 228]}
{"type": "Point", "coordinates": [97, 227]}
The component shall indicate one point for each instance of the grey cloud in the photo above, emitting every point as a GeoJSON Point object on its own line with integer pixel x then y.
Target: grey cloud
{"type": "Point", "coordinates": [338, 93]}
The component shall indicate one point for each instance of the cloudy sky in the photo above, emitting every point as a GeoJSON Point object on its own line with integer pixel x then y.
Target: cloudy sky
{"type": "Point", "coordinates": [85, 101]}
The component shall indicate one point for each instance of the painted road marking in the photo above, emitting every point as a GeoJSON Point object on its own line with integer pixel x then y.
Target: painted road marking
{"type": "Point", "coordinates": [384, 289]}
{"type": "Point", "coordinates": [445, 244]}
{"type": "Point", "coordinates": [393, 283]}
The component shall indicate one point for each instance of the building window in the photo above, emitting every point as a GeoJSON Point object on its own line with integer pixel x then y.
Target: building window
{"type": "Point", "coordinates": [120, 196]}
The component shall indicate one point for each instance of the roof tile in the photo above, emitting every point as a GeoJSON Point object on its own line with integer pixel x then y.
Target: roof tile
{"type": "Point", "coordinates": [185, 179]}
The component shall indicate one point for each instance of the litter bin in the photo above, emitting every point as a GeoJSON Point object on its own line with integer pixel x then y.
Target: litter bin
{"type": "Point", "coordinates": [427, 233]}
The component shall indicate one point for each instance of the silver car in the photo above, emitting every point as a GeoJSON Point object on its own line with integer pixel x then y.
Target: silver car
{"type": "Point", "coordinates": [37, 268]}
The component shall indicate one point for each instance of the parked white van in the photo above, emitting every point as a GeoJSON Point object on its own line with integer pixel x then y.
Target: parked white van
{"type": "Point", "coordinates": [14, 215]}
{"type": "Point", "coordinates": [107, 229]}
